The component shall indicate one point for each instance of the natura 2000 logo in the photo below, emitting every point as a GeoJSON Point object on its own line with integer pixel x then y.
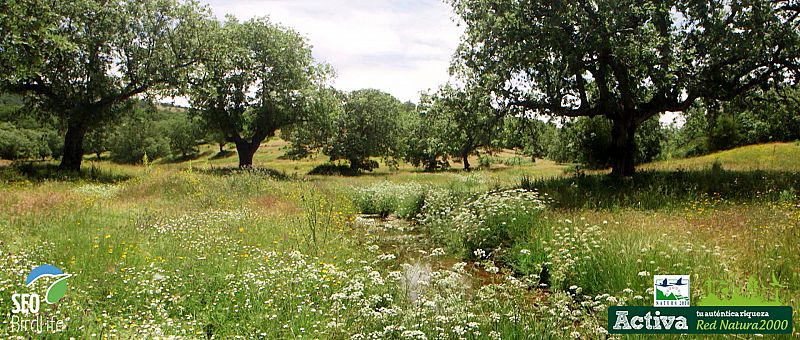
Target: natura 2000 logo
{"type": "Point", "coordinates": [671, 291]}
{"type": "Point", "coordinates": [26, 306]}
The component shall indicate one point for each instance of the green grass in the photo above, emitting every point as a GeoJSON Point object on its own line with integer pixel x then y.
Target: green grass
{"type": "Point", "coordinates": [768, 157]}
{"type": "Point", "coordinates": [199, 249]}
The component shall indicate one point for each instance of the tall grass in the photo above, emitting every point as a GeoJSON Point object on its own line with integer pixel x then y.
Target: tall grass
{"type": "Point", "coordinates": [665, 189]}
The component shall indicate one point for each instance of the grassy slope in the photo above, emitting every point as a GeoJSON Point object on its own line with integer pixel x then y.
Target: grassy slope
{"type": "Point", "coordinates": [773, 156]}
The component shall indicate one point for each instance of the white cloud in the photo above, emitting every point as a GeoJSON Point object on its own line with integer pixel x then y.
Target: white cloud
{"type": "Point", "coordinates": [399, 46]}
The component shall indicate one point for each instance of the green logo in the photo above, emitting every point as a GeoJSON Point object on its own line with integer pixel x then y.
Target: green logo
{"type": "Point", "coordinates": [671, 291]}
{"type": "Point", "coordinates": [57, 289]}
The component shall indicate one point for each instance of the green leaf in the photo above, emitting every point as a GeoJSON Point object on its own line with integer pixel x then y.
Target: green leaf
{"type": "Point", "coordinates": [57, 290]}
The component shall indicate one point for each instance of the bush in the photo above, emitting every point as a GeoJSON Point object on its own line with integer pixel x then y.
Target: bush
{"type": "Point", "coordinates": [135, 137]}
{"type": "Point", "coordinates": [332, 169]}
{"type": "Point", "coordinates": [19, 143]}
{"type": "Point", "coordinates": [483, 223]}
{"type": "Point", "coordinates": [184, 134]}
{"type": "Point", "coordinates": [385, 198]}
{"type": "Point", "coordinates": [725, 135]}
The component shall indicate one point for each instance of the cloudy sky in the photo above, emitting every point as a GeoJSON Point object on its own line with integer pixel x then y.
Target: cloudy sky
{"type": "Point", "coordinates": [399, 46]}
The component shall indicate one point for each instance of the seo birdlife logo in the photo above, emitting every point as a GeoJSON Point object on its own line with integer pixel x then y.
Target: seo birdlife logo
{"type": "Point", "coordinates": [26, 306]}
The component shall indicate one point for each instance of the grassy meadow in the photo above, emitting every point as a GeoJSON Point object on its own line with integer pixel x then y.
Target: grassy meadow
{"type": "Point", "coordinates": [194, 249]}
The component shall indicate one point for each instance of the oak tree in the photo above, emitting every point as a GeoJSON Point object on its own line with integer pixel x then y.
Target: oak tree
{"type": "Point", "coordinates": [257, 78]}
{"type": "Point", "coordinates": [627, 60]}
{"type": "Point", "coordinates": [82, 60]}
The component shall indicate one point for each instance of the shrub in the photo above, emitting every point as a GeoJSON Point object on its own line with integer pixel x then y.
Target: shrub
{"type": "Point", "coordinates": [20, 143]}
{"type": "Point", "coordinates": [385, 198]}
{"type": "Point", "coordinates": [483, 223]}
{"type": "Point", "coordinates": [332, 169]}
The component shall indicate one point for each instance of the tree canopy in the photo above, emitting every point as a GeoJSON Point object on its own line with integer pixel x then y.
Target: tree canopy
{"type": "Point", "coordinates": [81, 60]}
{"type": "Point", "coordinates": [256, 78]}
{"type": "Point", "coordinates": [367, 126]}
{"type": "Point", "coordinates": [625, 60]}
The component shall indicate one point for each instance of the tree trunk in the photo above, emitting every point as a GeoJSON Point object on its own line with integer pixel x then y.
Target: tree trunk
{"type": "Point", "coordinates": [355, 165]}
{"type": "Point", "coordinates": [221, 146]}
{"type": "Point", "coordinates": [623, 148]}
{"type": "Point", "coordinates": [73, 148]}
{"type": "Point", "coordinates": [465, 157]}
{"type": "Point", "coordinates": [246, 150]}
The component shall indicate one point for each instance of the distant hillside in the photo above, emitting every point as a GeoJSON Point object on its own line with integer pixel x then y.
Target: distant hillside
{"type": "Point", "coordinates": [772, 156]}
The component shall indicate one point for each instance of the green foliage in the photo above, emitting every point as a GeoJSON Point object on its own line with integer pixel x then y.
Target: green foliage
{"type": "Point", "coordinates": [428, 144]}
{"type": "Point", "coordinates": [97, 141]}
{"type": "Point", "coordinates": [20, 143]}
{"type": "Point", "coordinates": [137, 135]}
{"type": "Point", "coordinates": [331, 169]}
{"type": "Point", "coordinates": [452, 123]}
{"type": "Point", "coordinates": [82, 60]}
{"type": "Point", "coordinates": [274, 62]}
{"type": "Point", "coordinates": [26, 135]}
{"type": "Point", "coordinates": [184, 132]}
{"type": "Point", "coordinates": [768, 116]}
{"type": "Point", "coordinates": [529, 135]}
{"type": "Point", "coordinates": [628, 61]}
{"type": "Point", "coordinates": [726, 134]}
{"type": "Point", "coordinates": [150, 129]}
{"type": "Point", "coordinates": [762, 116]}
{"type": "Point", "coordinates": [385, 198]}
{"type": "Point", "coordinates": [474, 226]}
{"type": "Point", "coordinates": [367, 126]}
{"type": "Point", "coordinates": [311, 134]}
{"type": "Point", "coordinates": [664, 190]}
{"type": "Point", "coordinates": [588, 141]}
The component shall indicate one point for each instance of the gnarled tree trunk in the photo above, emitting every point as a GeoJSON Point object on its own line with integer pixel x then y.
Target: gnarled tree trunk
{"type": "Point", "coordinates": [73, 147]}
{"type": "Point", "coordinates": [246, 150]}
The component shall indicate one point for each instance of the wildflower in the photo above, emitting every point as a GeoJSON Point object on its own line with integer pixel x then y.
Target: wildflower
{"type": "Point", "coordinates": [575, 335]}
{"type": "Point", "coordinates": [644, 273]}
{"type": "Point", "coordinates": [525, 252]}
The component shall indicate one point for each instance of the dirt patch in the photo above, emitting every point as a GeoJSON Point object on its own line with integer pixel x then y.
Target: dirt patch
{"type": "Point", "coordinates": [274, 204]}
{"type": "Point", "coordinates": [37, 202]}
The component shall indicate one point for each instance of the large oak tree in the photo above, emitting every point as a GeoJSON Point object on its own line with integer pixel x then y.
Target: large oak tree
{"type": "Point", "coordinates": [627, 60]}
{"type": "Point", "coordinates": [81, 60]}
{"type": "Point", "coordinates": [257, 78]}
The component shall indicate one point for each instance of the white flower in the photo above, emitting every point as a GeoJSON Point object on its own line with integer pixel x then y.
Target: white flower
{"type": "Point", "coordinates": [525, 252]}
{"type": "Point", "coordinates": [386, 257]}
{"type": "Point", "coordinates": [437, 252]}
{"type": "Point", "coordinates": [644, 273]}
{"type": "Point", "coordinates": [575, 335]}
{"type": "Point", "coordinates": [479, 253]}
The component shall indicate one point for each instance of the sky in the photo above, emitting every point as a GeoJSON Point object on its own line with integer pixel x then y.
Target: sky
{"type": "Point", "coordinates": [398, 46]}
